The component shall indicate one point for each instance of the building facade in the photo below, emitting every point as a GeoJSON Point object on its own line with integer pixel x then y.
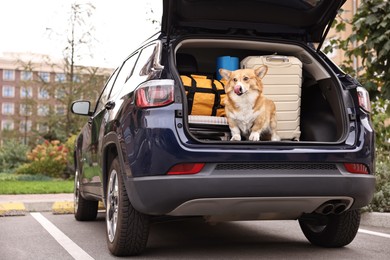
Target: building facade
{"type": "Point", "coordinates": [31, 90]}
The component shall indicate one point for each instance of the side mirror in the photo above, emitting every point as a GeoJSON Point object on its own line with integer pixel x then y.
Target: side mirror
{"type": "Point", "coordinates": [81, 108]}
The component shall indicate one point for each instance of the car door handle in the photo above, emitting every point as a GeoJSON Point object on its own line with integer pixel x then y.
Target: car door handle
{"type": "Point", "coordinates": [110, 105]}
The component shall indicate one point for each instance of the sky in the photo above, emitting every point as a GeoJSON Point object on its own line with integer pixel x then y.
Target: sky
{"type": "Point", "coordinates": [39, 26]}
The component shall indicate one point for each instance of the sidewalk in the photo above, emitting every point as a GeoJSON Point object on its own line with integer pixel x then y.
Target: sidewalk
{"type": "Point", "coordinates": [20, 205]}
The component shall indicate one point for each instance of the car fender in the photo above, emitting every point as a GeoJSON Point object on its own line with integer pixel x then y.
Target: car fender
{"type": "Point", "coordinates": [113, 146]}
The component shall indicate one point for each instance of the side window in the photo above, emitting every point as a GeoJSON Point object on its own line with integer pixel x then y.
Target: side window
{"type": "Point", "coordinates": [124, 73]}
{"type": "Point", "coordinates": [106, 91]}
{"type": "Point", "coordinates": [142, 69]}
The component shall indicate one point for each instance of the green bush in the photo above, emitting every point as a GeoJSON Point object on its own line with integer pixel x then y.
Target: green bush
{"type": "Point", "coordinates": [44, 167]}
{"type": "Point", "coordinates": [380, 113]}
{"type": "Point", "coordinates": [48, 159]}
{"type": "Point", "coordinates": [69, 144]}
{"type": "Point", "coordinates": [23, 177]}
{"type": "Point", "coordinates": [12, 155]}
{"type": "Point", "coordinates": [381, 200]}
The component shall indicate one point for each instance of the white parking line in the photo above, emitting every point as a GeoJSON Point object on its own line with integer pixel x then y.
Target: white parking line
{"type": "Point", "coordinates": [72, 248]}
{"type": "Point", "coordinates": [374, 233]}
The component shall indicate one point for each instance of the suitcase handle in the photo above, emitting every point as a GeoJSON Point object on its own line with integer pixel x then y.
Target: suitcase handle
{"type": "Point", "coordinates": [277, 58]}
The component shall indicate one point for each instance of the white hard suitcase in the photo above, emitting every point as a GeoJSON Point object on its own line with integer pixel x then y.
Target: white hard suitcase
{"type": "Point", "coordinates": [282, 84]}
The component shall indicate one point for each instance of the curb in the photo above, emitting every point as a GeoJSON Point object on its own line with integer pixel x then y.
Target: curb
{"type": "Point", "coordinates": [22, 208]}
{"type": "Point", "coordinates": [12, 209]}
{"type": "Point", "coordinates": [375, 219]}
{"type": "Point", "coordinates": [64, 207]}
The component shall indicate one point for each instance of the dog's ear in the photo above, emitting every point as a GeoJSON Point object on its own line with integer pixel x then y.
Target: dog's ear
{"type": "Point", "coordinates": [261, 71]}
{"type": "Point", "coordinates": [225, 73]}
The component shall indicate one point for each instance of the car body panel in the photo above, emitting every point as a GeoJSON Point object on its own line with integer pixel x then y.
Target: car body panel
{"type": "Point", "coordinates": [291, 19]}
{"type": "Point", "coordinates": [172, 192]}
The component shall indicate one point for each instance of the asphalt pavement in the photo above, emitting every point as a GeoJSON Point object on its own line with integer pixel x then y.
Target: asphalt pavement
{"type": "Point", "coordinates": [20, 205]}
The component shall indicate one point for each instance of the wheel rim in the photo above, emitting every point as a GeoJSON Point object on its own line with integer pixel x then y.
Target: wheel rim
{"type": "Point", "coordinates": [112, 205]}
{"type": "Point", "coordinates": [76, 194]}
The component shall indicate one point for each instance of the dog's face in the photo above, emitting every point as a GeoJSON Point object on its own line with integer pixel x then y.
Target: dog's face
{"type": "Point", "coordinates": [243, 81]}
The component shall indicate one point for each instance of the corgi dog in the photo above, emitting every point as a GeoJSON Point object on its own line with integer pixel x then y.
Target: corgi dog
{"type": "Point", "coordinates": [248, 111]}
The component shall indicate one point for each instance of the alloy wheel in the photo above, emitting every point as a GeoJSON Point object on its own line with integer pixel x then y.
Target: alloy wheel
{"type": "Point", "coordinates": [76, 193]}
{"type": "Point", "coordinates": [112, 205]}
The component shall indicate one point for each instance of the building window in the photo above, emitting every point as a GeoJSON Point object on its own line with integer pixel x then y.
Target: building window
{"type": "Point", "coordinates": [26, 92]}
{"type": "Point", "coordinates": [8, 108]}
{"type": "Point", "coordinates": [60, 110]}
{"type": "Point", "coordinates": [76, 78]}
{"type": "Point", "coordinates": [60, 77]}
{"type": "Point", "coordinates": [42, 128]}
{"type": "Point", "coordinates": [43, 110]}
{"type": "Point", "coordinates": [9, 75]}
{"type": "Point", "coordinates": [25, 110]}
{"type": "Point", "coordinates": [44, 76]}
{"type": "Point", "coordinates": [43, 93]}
{"type": "Point", "coordinates": [26, 75]}
{"type": "Point", "coordinates": [7, 125]}
{"type": "Point", "coordinates": [8, 91]}
{"type": "Point", "coordinates": [25, 126]}
{"type": "Point", "coordinates": [59, 93]}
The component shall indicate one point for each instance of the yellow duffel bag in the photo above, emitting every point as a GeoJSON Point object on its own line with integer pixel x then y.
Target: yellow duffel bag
{"type": "Point", "coordinates": [204, 96]}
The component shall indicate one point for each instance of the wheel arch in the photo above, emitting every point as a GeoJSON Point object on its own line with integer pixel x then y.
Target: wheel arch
{"type": "Point", "coordinates": [111, 150]}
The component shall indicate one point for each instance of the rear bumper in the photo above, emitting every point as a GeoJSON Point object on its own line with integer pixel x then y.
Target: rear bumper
{"type": "Point", "coordinates": [246, 194]}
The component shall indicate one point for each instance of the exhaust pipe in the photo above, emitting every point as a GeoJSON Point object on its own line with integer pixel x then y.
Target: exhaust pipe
{"type": "Point", "coordinates": [325, 209]}
{"type": "Point", "coordinates": [339, 208]}
{"type": "Point", "coordinates": [331, 208]}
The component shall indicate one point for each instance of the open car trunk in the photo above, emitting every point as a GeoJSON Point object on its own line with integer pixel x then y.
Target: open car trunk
{"type": "Point", "coordinates": [318, 113]}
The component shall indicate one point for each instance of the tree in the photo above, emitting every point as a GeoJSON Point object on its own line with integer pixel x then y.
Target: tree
{"type": "Point", "coordinates": [72, 81]}
{"type": "Point", "coordinates": [370, 43]}
{"type": "Point", "coordinates": [78, 41]}
{"type": "Point", "coordinates": [151, 17]}
{"type": "Point", "coordinates": [79, 81]}
{"type": "Point", "coordinates": [26, 107]}
{"type": "Point", "coordinates": [23, 109]}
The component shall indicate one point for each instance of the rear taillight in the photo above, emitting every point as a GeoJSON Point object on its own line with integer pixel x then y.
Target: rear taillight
{"type": "Point", "coordinates": [155, 93]}
{"type": "Point", "coordinates": [356, 168]}
{"type": "Point", "coordinates": [364, 99]}
{"type": "Point", "coordinates": [186, 168]}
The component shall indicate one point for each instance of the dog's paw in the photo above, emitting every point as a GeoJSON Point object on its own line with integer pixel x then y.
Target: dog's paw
{"type": "Point", "coordinates": [236, 137]}
{"type": "Point", "coordinates": [275, 137]}
{"type": "Point", "coordinates": [255, 136]}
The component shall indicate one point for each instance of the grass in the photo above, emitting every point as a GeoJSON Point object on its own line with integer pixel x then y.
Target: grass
{"type": "Point", "coordinates": [35, 187]}
{"type": "Point", "coordinates": [33, 184]}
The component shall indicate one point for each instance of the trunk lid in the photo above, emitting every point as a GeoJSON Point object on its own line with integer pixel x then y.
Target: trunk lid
{"type": "Point", "coordinates": [307, 20]}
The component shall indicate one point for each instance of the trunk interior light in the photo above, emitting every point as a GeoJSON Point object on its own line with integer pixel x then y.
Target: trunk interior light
{"type": "Point", "coordinates": [364, 99]}
{"type": "Point", "coordinates": [155, 93]}
{"type": "Point", "coordinates": [186, 168]}
{"type": "Point", "coordinates": [356, 168]}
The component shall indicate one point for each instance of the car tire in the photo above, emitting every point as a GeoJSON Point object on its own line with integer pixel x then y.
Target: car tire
{"type": "Point", "coordinates": [127, 229]}
{"type": "Point", "coordinates": [84, 210]}
{"type": "Point", "coordinates": [335, 231]}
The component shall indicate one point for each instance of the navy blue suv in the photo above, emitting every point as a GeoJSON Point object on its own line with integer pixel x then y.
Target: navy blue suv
{"type": "Point", "coordinates": [145, 153]}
